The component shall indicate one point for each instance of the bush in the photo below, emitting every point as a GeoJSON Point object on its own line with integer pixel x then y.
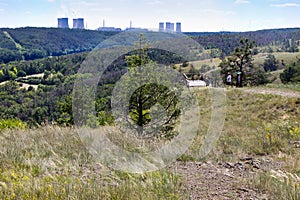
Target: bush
{"type": "Point", "coordinates": [11, 124]}
{"type": "Point", "coordinates": [21, 73]}
{"type": "Point", "coordinates": [270, 64]}
{"type": "Point", "coordinates": [291, 74]}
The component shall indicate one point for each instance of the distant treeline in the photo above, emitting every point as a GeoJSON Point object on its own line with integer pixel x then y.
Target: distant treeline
{"type": "Point", "coordinates": [32, 43]}
{"type": "Point", "coordinates": [285, 39]}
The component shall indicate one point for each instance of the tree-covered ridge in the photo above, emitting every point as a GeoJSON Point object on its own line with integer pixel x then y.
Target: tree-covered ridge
{"type": "Point", "coordinates": [6, 42]}
{"type": "Point", "coordinates": [280, 39]}
{"type": "Point", "coordinates": [31, 43]}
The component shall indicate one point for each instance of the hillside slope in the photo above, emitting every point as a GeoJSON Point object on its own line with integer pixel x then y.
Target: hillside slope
{"type": "Point", "coordinates": [33, 43]}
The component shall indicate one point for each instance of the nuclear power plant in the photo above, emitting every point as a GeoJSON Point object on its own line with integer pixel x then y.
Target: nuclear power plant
{"type": "Point", "coordinates": [63, 23]}
{"type": "Point", "coordinates": [170, 27]}
{"type": "Point", "coordinates": [78, 23]}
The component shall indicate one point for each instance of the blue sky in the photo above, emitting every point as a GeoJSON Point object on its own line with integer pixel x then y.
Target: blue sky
{"type": "Point", "coordinates": [195, 15]}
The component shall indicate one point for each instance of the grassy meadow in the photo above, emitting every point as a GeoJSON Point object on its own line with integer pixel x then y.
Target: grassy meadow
{"type": "Point", "coordinates": [52, 162]}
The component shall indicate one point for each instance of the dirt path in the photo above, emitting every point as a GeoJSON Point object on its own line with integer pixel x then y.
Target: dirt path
{"type": "Point", "coordinates": [35, 75]}
{"type": "Point", "coordinates": [223, 180]}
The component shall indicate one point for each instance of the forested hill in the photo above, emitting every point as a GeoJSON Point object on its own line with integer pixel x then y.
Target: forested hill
{"type": "Point", "coordinates": [286, 39]}
{"type": "Point", "coordinates": [31, 43]}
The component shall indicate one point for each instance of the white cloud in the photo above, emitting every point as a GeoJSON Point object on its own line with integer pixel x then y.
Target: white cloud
{"type": "Point", "coordinates": [285, 5]}
{"type": "Point", "coordinates": [51, 1]}
{"type": "Point", "coordinates": [241, 1]}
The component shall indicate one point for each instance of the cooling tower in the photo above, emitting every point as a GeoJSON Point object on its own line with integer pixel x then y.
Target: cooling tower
{"type": "Point", "coordinates": [78, 23]}
{"type": "Point", "coordinates": [62, 23]}
{"type": "Point", "coordinates": [172, 27]}
{"type": "Point", "coordinates": [168, 26]}
{"type": "Point", "coordinates": [178, 27]}
{"type": "Point", "coordinates": [161, 26]}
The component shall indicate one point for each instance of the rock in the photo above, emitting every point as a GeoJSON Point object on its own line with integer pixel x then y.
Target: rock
{"type": "Point", "coordinates": [295, 143]}
{"type": "Point", "coordinates": [239, 166]}
{"type": "Point", "coordinates": [246, 159]}
{"type": "Point", "coordinates": [243, 189]}
{"type": "Point", "coordinates": [228, 165]}
{"type": "Point", "coordinates": [256, 164]}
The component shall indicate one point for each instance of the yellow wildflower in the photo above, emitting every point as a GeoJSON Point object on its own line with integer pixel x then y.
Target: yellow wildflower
{"type": "Point", "coordinates": [3, 185]}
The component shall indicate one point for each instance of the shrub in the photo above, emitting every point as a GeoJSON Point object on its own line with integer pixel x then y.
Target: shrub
{"type": "Point", "coordinates": [11, 124]}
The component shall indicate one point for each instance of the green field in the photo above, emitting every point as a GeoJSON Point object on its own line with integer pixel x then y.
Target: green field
{"type": "Point", "coordinates": [287, 57]}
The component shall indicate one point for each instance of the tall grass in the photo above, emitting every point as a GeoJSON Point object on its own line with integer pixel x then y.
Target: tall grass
{"type": "Point", "coordinates": [291, 86]}
{"type": "Point", "coordinates": [255, 125]}
{"type": "Point", "coordinates": [279, 185]}
{"type": "Point", "coordinates": [52, 163]}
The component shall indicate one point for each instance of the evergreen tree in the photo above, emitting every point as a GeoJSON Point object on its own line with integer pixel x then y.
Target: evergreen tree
{"type": "Point", "coordinates": [270, 64]}
{"type": "Point", "coordinates": [291, 74]}
{"type": "Point", "coordinates": [239, 63]}
{"type": "Point", "coordinates": [153, 107]}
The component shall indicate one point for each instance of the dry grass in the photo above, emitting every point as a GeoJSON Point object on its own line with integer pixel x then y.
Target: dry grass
{"type": "Point", "coordinates": [278, 184]}
{"type": "Point", "coordinates": [286, 87]}
{"type": "Point", "coordinates": [286, 56]}
{"type": "Point", "coordinates": [53, 163]}
{"type": "Point", "coordinates": [255, 124]}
